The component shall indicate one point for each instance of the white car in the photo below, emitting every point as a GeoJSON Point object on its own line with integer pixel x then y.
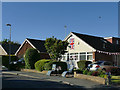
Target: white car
{"type": "Point", "coordinates": [103, 65]}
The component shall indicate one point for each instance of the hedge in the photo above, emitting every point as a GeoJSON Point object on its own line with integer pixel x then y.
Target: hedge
{"type": "Point", "coordinates": [83, 64]}
{"type": "Point", "coordinates": [63, 65]}
{"type": "Point", "coordinates": [39, 65]}
{"type": "Point", "coordinates": [48, 66]}
{"type": "Point", "coordinates": [31, 56]}
{"type": "Point", "coordinates": [5, 60]}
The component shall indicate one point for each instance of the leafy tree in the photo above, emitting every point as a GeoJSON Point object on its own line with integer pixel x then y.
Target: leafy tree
{"type": "Point", "coordinates": [55, 47]}
{"type": "Point", "coordinates": [7, 41]}
{"type": "Point", "coordinates": [31, 56]}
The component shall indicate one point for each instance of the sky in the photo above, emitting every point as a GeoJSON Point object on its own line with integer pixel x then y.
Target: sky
{"type": "Point", "coordinates": [41, 20]}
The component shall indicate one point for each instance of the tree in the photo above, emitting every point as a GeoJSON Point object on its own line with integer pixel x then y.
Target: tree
{"type": "Point", "coordinates": [55, 47]}
{"type": "Point", "coordinates": [7, 41]}
{"type": "Point", "coordinates": [31, 56]}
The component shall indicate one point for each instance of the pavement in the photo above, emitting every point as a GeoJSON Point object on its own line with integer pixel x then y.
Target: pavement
{"type": "Point", "coordinates": [74, 82]}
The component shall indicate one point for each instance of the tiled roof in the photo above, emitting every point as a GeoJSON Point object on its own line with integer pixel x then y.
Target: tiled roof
{"type": "Point", "coordinates": [38, 44]}
{"type": "Point", "coordinates": [98, 43]}
{"type": "Point", "coordinates": [14, 48]}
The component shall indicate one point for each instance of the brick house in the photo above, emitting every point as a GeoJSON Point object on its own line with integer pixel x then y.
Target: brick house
{"type": "Point", "coordinates": [91, 48]}
{"type": "Point", "coordinates": [32, 43]}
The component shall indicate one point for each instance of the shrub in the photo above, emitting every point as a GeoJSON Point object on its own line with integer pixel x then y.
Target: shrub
{"type": "Point", "coordinates": [48, 66]}
{"type": "Point", "coordinates": [102, 75]}
{"type": "Point", "coordinates": [31, 56]}
{"type": "Point", "coordinates": [5, 60]}
{"type": "Point", "coordinates": [39, 65]}
{"type": "Point", "coordinates": [115, 71]}
{"type": "Point", "coordinates": [83, 64]}
{"type": "Point", "coordinates": [95, 73]}
{"type": "Point", "coordinates": [85, 72]}
{"type": "Point", "coordinates": [89, 73]}
{"type": "Point", "coordinates": [63, 65]}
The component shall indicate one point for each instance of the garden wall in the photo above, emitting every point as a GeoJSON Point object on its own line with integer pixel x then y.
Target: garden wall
{"type": "Point", "coordinates": [92, 78]}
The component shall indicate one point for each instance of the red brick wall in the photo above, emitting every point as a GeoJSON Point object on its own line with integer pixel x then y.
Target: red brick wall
{"type": "Point", "coordinates": [110, 40]}
{"type": "Point", "coordinates": [23, 49]}
{"type": "Point", "coordinates": [113, 40]}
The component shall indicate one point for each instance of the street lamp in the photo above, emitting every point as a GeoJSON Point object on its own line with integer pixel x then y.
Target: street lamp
{"type": "Point", "coordinates": [65, 29]}
{"type": "Point", "coordinates": [9, 43]}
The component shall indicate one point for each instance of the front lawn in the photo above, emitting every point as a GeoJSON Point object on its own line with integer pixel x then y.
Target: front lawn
{"type": "Point", "coordinates": [115, 79]}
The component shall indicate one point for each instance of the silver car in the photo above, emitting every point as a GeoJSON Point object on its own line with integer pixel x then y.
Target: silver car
{"type": "Point", "coordinates": [102, 65]}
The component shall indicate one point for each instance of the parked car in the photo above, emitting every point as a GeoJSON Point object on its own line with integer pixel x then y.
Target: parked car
{"type": "Point", "coordinates": [102, 65]}
{"type": "Point", "coordinates": [17, 65]}
{"type": "Point", "coordinates": [4, 68]}
{"type": "Point", "coordinates": [19, 61]}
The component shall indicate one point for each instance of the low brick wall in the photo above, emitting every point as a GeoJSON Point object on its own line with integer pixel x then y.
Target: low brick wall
{"type": "Point", "coordinates": [88, 77]}
{"type": "Point", "coordinates": [33, 70]}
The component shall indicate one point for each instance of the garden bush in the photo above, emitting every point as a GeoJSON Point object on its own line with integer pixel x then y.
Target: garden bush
{"type": "Point", "coordinates": [48, 66]}
{"type": "Point", "coordinates": [83, 64]}
{"type": "Point", "coordinates": [115, 71]}
{"type": "Point", "coordinates": [95, 73]}
{"type": "Point", "coordinates": [90, 73]}
{"type": "Point", "coordinates": [39, 65]}
{"type": "Point", "coordinates": [102, 74]}
{"type": "Point", "coordinates": [63, 65]}
{"type": "Point", "coordinates": [31, 56]}
{"type": "Point", "coordinates": [85, 72]}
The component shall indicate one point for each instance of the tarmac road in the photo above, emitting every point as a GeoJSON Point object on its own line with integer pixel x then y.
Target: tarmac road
{"type": "Point", "coordinates": [19, 79]}
{"type": "Point", "coordinates": [16, 81]}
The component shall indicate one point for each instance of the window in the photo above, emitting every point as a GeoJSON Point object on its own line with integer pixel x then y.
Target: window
{"type": "Point", "coordinates": [117, 41]}
{"type": "Point", "coordinates": [63, 57]}
{"type": "Point", "coordinates": [76, 56]}
{"type": "Point", "coordinates": [73, 56]}
{"type": "Point", "coordinates": [103, 45]}
{"type": "Point", "coordinates": [83, 56]}
{"type": "Point", "coordinates": [89, 57]}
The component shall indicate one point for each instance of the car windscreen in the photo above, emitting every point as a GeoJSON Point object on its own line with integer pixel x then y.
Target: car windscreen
{"type": "Point", "coordinates": [98, 62]}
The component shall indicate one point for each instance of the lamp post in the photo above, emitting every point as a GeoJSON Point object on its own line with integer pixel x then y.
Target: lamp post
{"type": "Point", "coordinates": [65, 29]}
{"type": "Point", "coordinates": [9, 43]}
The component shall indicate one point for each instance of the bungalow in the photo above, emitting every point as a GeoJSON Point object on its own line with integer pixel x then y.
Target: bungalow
{"type": "Point", "coordinates": [32, 43]}
{"type": "Point", "coordinates": [91, 48]}
{"type": "Point", "coordinates": [4, 49]}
